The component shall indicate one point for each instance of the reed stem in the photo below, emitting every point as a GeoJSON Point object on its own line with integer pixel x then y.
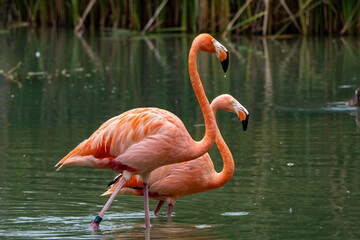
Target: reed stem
{"type": "Point", "coordinates": [306, 17]}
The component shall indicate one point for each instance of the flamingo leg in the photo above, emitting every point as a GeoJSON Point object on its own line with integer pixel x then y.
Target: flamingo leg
{"type": "Point", "coordinates": [157, 209]}
{"type": "Point", "coordinates": [99, 217]}
{"type": "Point", "coordinates": [146, 204]}
{"type": "Point", "coordinates": [170, 207]}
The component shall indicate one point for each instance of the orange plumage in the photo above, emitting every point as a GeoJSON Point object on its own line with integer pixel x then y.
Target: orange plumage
{"type": "Point", "coordinates": [168, 183]}
{"type": "Point", "coordinates": [129, 135]}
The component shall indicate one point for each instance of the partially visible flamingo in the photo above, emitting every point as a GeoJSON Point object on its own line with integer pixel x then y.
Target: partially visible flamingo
{"type": "Point", "coordinates": [168, 183]}
{"type": "Point", "coordinates": [143, 139]}
{"type": "Point", "coordinates": [354, 101]}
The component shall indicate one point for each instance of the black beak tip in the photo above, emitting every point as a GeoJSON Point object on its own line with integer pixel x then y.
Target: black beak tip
{"type": "Point", "coordinates": [245, 123]}
{"type": "Point", "coordinates": [225, 63]}
{"type": "Point", "coordinates": [114, 181]}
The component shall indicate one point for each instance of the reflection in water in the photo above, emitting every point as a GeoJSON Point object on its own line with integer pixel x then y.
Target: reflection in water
{"type": "Point", "coordinates": [296, 167]}
{"type": "Point", "coordinates": [268, 86]}
{"type": "Point", "coordinates": [356, 113]}
{"type": "Point", "coordinates": [166, 231]}
{"type": "Point", "coordinates": [90, 53]}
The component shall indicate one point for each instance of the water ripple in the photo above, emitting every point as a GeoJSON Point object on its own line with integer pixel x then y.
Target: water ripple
{"type": "Point", "coordinates": [234, 214]}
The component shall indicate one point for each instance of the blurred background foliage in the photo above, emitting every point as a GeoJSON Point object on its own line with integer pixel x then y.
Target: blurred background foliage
{"type": "Point", "coordinates": [246, 17]}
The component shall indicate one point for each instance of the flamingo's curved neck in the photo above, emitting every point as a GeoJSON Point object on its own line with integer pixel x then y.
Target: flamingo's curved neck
{"type": "Point", "coordinates": [228, 169]}
{"type": "Point", "coordinates": [205, 144]}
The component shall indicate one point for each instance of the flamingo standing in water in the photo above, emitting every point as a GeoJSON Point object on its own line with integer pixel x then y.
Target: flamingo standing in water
{"type": "Point", "coordinates": [143, 139]}
{"type": "Point", "coordinates": [168, 183]}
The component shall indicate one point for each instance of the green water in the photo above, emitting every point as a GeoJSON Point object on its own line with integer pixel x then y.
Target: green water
{"type": "Point", "coordinates": [297, 166]}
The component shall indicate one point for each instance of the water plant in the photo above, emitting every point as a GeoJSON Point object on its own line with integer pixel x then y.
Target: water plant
{"type": "Point", "coordinates": [267, 17]}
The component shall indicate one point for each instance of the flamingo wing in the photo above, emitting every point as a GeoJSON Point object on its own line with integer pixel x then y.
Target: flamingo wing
{"type": "Point", "coordinates": [144, 131]}
{"type": "Point", "coordinates": [185, 178]}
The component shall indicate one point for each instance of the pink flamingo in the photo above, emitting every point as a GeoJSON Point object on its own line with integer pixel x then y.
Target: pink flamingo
{"type": "Point", "coordinates": [168, 183]}
{"type": "Point", "coordinates": [143, 139]}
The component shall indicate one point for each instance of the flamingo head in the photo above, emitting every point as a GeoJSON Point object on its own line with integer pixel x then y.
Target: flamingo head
{"type": "Point", "coordinates": [242, 113]}
{"type": "Point", "coordinates": [230, 104]}
{"type": "Point", "coordinates": [208, 43]}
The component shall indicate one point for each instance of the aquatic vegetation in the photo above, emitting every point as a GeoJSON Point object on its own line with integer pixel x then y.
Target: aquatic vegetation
{"type": "Point", "coordinates": [277, 17]}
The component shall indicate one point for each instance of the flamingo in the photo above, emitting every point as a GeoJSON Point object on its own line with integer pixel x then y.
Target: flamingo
{"type": "Point", "coordinates": [169, 183]}
{"type": "Point", "coordinates": [354, 101]}
{"type": "Point", "coordinates": [140, 140]}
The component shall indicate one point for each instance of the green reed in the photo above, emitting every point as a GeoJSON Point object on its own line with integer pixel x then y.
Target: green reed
{"type": "Point", "coordinates": [268, 17]}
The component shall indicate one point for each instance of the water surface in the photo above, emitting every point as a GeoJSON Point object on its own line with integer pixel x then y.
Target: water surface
{"type": "Point", "coordinates": [297, 165]}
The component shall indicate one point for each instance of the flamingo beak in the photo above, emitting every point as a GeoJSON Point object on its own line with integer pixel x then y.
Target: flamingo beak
{"type": "Point", "coordinates": [244, 117]}
{"type": "Point", "coordinates": [222, 53]}
{"type": "Point", "coordinates": [225, 62]}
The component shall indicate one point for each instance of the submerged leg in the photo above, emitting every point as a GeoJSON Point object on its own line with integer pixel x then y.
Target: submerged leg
{"type": "Point", "coordinates": [170, 207]}
{"type": "Point", "coordinates": [98, 218]}
{"type": "Point", "coordinates": [146, 204]}
{"type": "Point", "coordinates": [157, 209]}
